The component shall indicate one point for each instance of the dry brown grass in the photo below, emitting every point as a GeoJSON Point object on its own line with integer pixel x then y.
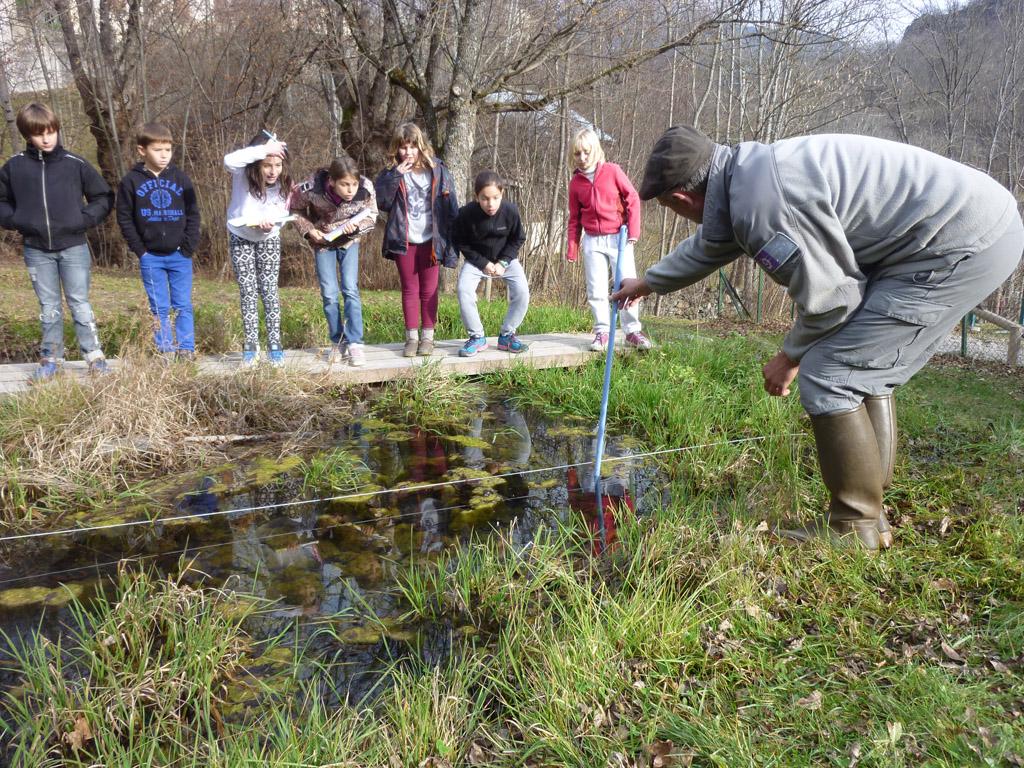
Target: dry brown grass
{"type": "Point", "coordinates": [94, 437]}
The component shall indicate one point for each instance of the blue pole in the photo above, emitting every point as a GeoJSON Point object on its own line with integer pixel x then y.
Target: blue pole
{"type": "Point", "coordinates": [607, 388]}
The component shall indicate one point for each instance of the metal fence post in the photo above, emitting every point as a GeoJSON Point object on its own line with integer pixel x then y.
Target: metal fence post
{"type": "Point", "coordinates": [963, 336]}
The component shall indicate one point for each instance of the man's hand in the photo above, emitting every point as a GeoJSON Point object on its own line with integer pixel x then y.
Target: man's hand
{"type": "Point", "coordinates": [630, 292]}
{"type": "Point", "coordinates": [316, 236]}
{"type": "Point", "coordinates": [779, 373]}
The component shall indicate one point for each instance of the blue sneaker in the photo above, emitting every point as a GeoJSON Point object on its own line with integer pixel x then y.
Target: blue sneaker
{"type": "Point", "coordinates": [511, 343]}
{"type": "Point", "coordinates": [473, 345]}
{"type": "Point", "coordinates": [47, 369]}
{"type": "Point", "coordinates": [250, 357]}
{"type": "Point", "coordinates": [276, 355]}
{"type": "Point", "coordinates": [98, 366]}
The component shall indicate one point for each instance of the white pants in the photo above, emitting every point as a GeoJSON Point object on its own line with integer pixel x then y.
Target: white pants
{"type": "Point", "coordinates": [599, 255]}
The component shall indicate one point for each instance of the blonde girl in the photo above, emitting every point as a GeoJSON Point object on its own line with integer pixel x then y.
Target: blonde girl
{"type": "Point", "coordinates": [601, 200]}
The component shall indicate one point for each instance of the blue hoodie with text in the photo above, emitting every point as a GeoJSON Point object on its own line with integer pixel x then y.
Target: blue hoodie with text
{"type": "Point", "coordinates": [158, 214]}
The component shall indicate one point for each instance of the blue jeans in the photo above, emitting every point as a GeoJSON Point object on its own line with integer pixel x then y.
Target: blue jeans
{"type": "Point", "coordinates": [69, 269]}
{"type": "Point", "coordinates": [329, 261]}
{"type": "Point", "coordinates": [168, 283]}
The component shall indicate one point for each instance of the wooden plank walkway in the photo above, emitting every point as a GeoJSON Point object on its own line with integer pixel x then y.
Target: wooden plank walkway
{"type": "Point", "coordinates": [384, 362]}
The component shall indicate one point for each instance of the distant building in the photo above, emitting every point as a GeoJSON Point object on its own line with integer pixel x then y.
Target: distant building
{"type": "Point", "coordinates": [31, 44]}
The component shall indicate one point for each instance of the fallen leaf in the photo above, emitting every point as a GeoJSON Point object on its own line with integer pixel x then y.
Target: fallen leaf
{"type": "Point", "coordinates": [950, 652]}
{"type": "Point", "coordinates": [476, 755]}
{"type": "Point", "coordinates": [998, 666]}
{"type": "Point", "coordinates": [986, 737]}
{"type": "Point", "coordinates": [434, 762]}
{"type": "Point", "coordinates": [944, 585]}
{"type": "Point", "coordinates": [725, 626]}
{"type": "Point", "coordinates": [855, 751]}
{"type": "Point", "coordinates": [661, 754]}
{"type": "Point", "coordinates": [753, 611]}
{"type": "Point", "coordinates": [895, 732]}
{"type": "Point", "coordinates": [82, 733]}
{"type": "Point", "coordinates": [944, 525]}
{"type": "Point", "coordinates": [811, 702]}
{"type": "Point", "coordinates": [762, 527]}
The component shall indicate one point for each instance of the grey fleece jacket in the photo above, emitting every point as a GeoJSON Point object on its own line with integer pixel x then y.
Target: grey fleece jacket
{"type": "Point", "coordinates": [823, 214]}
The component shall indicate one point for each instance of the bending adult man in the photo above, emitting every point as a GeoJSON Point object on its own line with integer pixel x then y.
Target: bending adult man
{"type": "Point", "coordinates": [882, 247]}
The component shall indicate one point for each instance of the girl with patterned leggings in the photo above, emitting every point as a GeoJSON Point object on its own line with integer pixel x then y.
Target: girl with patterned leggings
{"type": "Point", "coordinates": [260, 184]}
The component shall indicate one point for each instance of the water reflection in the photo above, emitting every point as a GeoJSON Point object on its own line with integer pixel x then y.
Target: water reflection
{"type": "Point", "coordinates": [336, 557]}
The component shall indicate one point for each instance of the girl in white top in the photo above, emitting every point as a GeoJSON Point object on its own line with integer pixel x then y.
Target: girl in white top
{"type": "Point", "coordinates": [260, 185]}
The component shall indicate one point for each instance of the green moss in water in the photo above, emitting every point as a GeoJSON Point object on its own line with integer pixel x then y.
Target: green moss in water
{"type": "Point", "coordinates": [468, 442]}
{"type": "Point", "coordinates": [375, 425]}
{"type": "Point", "coordinates": [25, 597]}
{"type": "Point", "coordinates": [265, 471]}
{"type": "Point", "coordinates": [407, 538]}
{"type": "Point", "coordinates": [565, 431]}
{"type": "Point", "coordinates": [364, 634]}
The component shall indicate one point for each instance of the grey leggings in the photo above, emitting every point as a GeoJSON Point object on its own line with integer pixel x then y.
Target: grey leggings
{"type": "Point", "coordinates": [518, 297]}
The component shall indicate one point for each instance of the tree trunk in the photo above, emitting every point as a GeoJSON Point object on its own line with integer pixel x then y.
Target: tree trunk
{"type": "Point", "coordinates": [5, 104]}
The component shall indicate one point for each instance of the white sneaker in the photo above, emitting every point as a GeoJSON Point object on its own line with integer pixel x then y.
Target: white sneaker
{"type": "Point", "coordinates": [340, 352]}
{"type": "Point", "coordinates": [356, 355]}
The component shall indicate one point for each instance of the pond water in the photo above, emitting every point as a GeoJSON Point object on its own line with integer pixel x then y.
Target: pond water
{"type": "Point", "coordinates": [285, 530]}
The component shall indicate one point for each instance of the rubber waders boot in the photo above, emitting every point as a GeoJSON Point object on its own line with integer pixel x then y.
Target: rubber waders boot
{"type": "Point", "coordinates": [850, 467]}
{"type": "Point", "coordinates": [882, 412]}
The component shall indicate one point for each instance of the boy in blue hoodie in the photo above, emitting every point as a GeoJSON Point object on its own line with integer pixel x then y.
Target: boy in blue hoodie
{"type": "Point", "coordinates": [159, 218]}
{"type": "Point", "coordinates": [52, 196]}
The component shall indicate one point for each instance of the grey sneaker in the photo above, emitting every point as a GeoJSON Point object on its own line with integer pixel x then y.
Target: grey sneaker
{"type": "Point", "coordinates": [98, 366]}
{"type": "Point", "coordinates": [425, 348]}
{"type": "Point", "coordinates": [356, 355]}
{"type": "Point", "coordinates": [410, 348]}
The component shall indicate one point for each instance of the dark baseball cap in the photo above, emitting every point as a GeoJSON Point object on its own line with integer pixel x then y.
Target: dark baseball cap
{"type": "Point", "coordinates": [678, 156]}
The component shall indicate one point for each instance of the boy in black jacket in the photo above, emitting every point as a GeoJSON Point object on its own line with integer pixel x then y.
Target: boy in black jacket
{"type": "Point", "coordinates": [159, 218]}
{"type": "Point", "coordinates": [52, 197]}
{"type": "Point", "coordinates": [489, 233]}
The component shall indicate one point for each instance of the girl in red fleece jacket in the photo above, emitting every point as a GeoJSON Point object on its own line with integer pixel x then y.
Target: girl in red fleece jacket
{"type": "Point", "coordinates": [602, 199]}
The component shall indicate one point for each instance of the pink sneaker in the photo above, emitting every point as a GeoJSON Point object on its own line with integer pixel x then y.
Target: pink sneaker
{"type": "Point", "coordinates": [600, 342]}
{"type": "Point", "coordinates": [639, 341]}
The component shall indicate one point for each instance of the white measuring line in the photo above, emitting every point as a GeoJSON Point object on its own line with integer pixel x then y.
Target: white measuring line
{"type": "Point", "coordinates": [425, 486]}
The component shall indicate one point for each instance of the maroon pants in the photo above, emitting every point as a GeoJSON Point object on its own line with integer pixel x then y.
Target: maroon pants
{"type": "Point", "coordinates": [419, 286]}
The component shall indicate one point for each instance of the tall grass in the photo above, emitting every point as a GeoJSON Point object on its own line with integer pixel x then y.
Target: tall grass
{"type": "Point", "coordinates": [137, 680]}
{"type": "Point", "coordinates": [74, 439]}
{"type": "Point", "coordinates": [432, 398]}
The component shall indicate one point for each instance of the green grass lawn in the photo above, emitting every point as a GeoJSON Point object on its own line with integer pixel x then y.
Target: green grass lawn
{"type": "Point", "coordinates": [697, 640]}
